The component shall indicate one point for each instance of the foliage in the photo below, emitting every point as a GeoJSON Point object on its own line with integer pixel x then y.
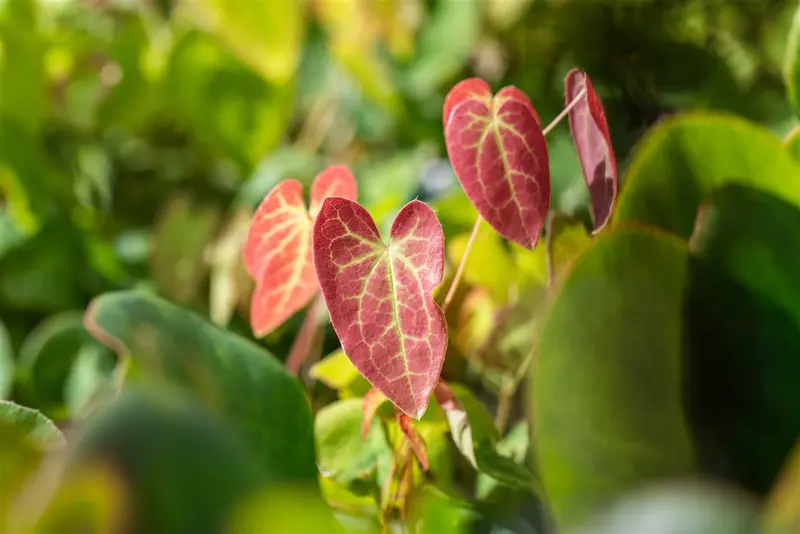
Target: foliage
{"type": "Point", "coordinates": [615, 350]}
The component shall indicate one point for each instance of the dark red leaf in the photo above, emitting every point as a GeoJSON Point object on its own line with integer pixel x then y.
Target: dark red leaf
{"type": "Point", "coordinates": [277, 252]}
{"type": "Point", "coordinates": [587, 122]}
{"type": "Point", "coordinates": [414, 439]}
{"type": "Point", "coordinates": [379, 296]}
{"type": "Point", "coordinates": [499, 154]}
{"type": "Point", "coordinates": [469, 88]}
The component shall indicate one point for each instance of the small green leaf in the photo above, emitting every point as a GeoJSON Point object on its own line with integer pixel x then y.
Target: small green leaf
{"type": "Point", "coordinates": [683, 159]}
{"type": "Point", "coordinates": [607, 390]}
{"type": "Point", "coordinates": [490, 266]}
{"type": "Point", "coordinates": [335, 371]}
{"type": "Point", "coordinates": [342, 454]}
{"type": "Point", "coordinates": [232, 376]}
{"type": "Point", "coordinates": [567, 238]}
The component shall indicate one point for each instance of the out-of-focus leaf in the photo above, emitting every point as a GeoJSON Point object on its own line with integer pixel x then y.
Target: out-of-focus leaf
{"type": "Point", "coordinates": [288, 510]}
{"type": "Point", "coordinates": [504, 13]}
{"type": "Point", "coordinates": [89, 376]}
{"type": "Point", "coordinates": [228, 107]}
{"type": "Point", "coordinates": [475, 322]}
{"type": "Point", "coordinates": [181, 236]}
{"type": "Point", "coordinates": [26, 436]}
{"type": "Point", "coordinates": [16, 202]}
{"type": "Point", "coordinates": [342, 453]}
{"type": "Point", "coordinates": [567, 238]}
{"type": "Point", "coordinates": [335, 370]}
{"type": "Point", "coordinates": [284, 163]}
{"type": "Point", "coordinates": [6, 363]}
{"type": "Point", "coordinates": [48, 356]}
{"type": "Point", "coordinates": [791, 64]}
{"type": "Point", "coordinates": [792, 143]}
{"type": "Point", "coordinates": [235, 378]}
{"type": "Point", "coordinates": [684, 158]}
{"type": "Point", "coordinates": [781, 514]}
{"type": "Point", "coordinates": [23, 89]}
{"type": "Point", "coordinates": [182, 468]}
{"type": "Point", "coordinates": [475, 435]}
{"type": "Point", "coordinates": [514, 445]}
{"type": "Point", "coordinates": [741, 326]}
{"type": "Point", "coordinates": [268, 36]}
{"type": "Point", "coordinates": [445, 42]}
{"type": "Point", "coordinates": [622, 367]}
{"type": "Point", "coordinates": [230, 284]}
{"type": "Point", "coordinates": [361, 276]}
{"type": "Point", "coordinates": [677, 508]}
{"type": "Point", "coordinates": [490, 265]}
{"type": "Point", "coordinates": [352, 29]}
{"type": "Point", "coordinates": [38, 428]}
{"type": "Point", "coordinates": [433, 512]}
{"type": "Point", "coordinates": [43, 273]}
{"type": "Point", "coordinates": [91, 501]}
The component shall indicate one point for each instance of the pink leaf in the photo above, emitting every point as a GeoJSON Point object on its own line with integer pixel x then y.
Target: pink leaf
{"type": "Point", "coordinates": [469, 88]}
{"type": "Point", "coordinates": [379, 296]}
{"type": "Point", "coordinates": [334, 181]}
{"type": "Point", "coordinates": [587, 123]}
{"type": "Point", "coordinates": [416, 442]}
{"type": "Point", "coordinates": [372, 401]}
{"type": "Point", "coordinates": [499, 154]}
{"type": "Point", "coordinates": [277, 251]}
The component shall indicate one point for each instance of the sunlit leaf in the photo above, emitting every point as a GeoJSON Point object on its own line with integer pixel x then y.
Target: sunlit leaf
{"type": "Point", "coordinates": [781, 514]}
{"type": "Point", "coordinates": [268, 36]}
{"type": "Point", "coordinates": [490, 266]}
{"type": "Point", "coordinates": [229, 280]}
{"type": "Point", "coordinates": [379, 296]}
{"type": "Point", "coordinates": [277, 252]}
{"type": "Point", "coordinates": [38, 428]}
{"type": "Point", "coordinates": [566, 240]}
{"type": "Point", "coordinates": [791, 64]}
{"type": "Point", "coordinates": [343, 454]}
{"type": "Point", "coordinates": [288, 510]}
{"type": "Point", "coordinates": [587, 123]}
{"type": "Point", "coordinates": [335, 370]}
{"type": "Point", "coordinates": [415, 441]}
{"type": "Point", "coordinates": [499, 155]}
{"type": "Point", "coordinates": [475, 436]}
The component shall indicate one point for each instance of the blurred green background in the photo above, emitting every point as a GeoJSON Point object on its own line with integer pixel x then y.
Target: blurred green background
{"type": "Point", "coordinates": [136, 137]}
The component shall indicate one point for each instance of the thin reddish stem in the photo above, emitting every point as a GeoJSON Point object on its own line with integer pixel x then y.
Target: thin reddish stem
{"type": "Point", "coordinates": [310, 329]}
{"type": "Point", "coordinates": [460, 269]}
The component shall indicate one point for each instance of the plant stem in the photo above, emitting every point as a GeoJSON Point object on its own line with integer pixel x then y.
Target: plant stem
{"type": "Point", "coordinates": [460, 269]}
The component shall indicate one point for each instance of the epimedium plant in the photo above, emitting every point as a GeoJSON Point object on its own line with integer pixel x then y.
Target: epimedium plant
{"type": "Point", "coordinates": [667, 349]}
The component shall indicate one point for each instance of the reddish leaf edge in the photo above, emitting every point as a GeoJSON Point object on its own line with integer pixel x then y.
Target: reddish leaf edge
{"type": "Point", "coordinates": [414, 439]}
{"type": "Point", "coordinates": [369, 406]}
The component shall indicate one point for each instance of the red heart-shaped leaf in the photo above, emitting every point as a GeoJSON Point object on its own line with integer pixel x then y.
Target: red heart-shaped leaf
{"type": "Point", "coordinates": [379, 296]}
{"type": "Point", "coordinates": [277, 251]}
{"type": "Point", "coordinates": [499, 154]}
{"type": "Point", "coordinates": [587, 123]}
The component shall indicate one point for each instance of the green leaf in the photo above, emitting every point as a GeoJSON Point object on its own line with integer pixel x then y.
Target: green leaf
{"type": "Point", "coordinates": [791, 62]}
{"type": "Point", "coordinates": [26, 436]}
{"type": "Point", "coordinates": [490, 263]}
{"type": "Point", "coordinates": [475, 436]}
{"type": "Point", "coordinates": [792, 143]}
{"type": "Point", "coordinates": [515, 445]}
{"type": "Point", "coordinates": [227, 107]}
{"type": "Point", "coordinates": [683, 159]}
{"type": "Point", "coordinates": [286, 510]}
{"type": "Point", "coordinates": [6, 363]}
{"type": "Point", "coordinates": [335, 371]}
{"type": "Point", "coordinates": [181, 236]}
{"type": "Point", "coordinates": [38, 428]}
{"type": "Point", "coordinates": [743, 328]}
{"type": "Point", "coordinates": [47, 357]}
{"type": "Point", "coordinates": [235, 378]}
{"type": "Point", "coordinates": [343, 455]}
{"type": "Point", "coordinates": [607, 409]}
{"type": "Point", "coordinates": [268, 36]}
{"type": "Point", "coordinates": [182, 469]}
{"type": "Point", "coordinates": [781, 514]}
{"type": "Point", "coordinates": [677, 508]}
{"type": "Point", "coordinates": [567, 238]}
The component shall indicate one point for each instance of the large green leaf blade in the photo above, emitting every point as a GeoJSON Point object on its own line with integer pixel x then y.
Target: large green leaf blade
{"type": "Point", "coordinates": [683, 159]}
{"type": "Point", "coordinates": [233, 376]}
{"type": "Point", "coordinates": [607, 406]}
{"type": "Point", "coordinates": [743, 334]}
